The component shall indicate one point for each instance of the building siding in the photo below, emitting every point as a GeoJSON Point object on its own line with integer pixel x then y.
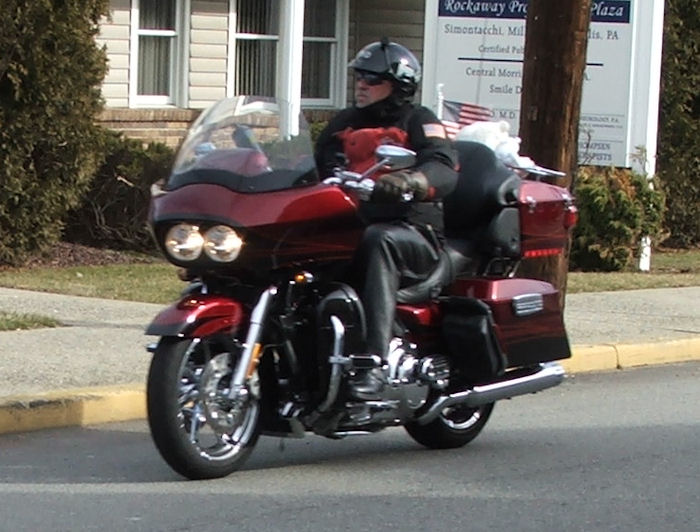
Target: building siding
{"type": "Point", "coordinates": [401, 21]}
{"type": "Point", "coordinates": [114, 34]}
{"type": "Point", "coordinates": [208, 53]}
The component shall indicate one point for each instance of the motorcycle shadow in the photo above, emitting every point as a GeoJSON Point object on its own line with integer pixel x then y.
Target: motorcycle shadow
{"type": "Point", "coordinates": [272, 452]}
{"type": "Point", "coordinates": [124, 453]}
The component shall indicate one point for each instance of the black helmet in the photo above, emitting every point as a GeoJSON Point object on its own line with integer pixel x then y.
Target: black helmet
{"type": "Point", "coordinates": [392, 60]}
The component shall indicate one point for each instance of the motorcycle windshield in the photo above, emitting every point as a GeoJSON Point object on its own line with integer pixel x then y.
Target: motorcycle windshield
{"type": "Point", "coordinates": [247, 144]}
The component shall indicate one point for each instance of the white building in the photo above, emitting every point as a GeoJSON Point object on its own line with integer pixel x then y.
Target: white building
{"type": "Point", "coordinates": [168, 59]}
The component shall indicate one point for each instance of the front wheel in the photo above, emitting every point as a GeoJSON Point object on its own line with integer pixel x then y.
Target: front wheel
{"type": "Point", "coordinates": [199, 431]}
{"type": "Point", "coordinates": [454, 427]}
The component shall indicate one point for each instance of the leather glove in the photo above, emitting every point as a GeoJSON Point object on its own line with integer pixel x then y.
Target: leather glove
{"type": "Point", "coordinates": [390, 188]}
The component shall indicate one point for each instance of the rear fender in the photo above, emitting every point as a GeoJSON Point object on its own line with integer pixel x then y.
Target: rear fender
{"type": "Point", "coordinates": [198, 315]}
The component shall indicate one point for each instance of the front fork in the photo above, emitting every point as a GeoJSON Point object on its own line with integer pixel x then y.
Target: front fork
{"type": "Point", "coordinates": [252, 348]}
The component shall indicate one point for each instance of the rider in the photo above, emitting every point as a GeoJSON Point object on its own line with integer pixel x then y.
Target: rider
{"type": "Point", "coordinates": [400, 246]}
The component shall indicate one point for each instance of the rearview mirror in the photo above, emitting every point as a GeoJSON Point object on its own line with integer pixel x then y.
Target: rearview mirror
{"type": "Point", "coordinates": [395, 157]}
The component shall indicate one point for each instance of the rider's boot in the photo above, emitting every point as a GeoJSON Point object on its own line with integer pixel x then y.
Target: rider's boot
{"type": "Point", "coordinates": [368, 384]}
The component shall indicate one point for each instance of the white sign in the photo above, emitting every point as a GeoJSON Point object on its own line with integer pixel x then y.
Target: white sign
{"type": "Point", "coordinates": [474, 50]}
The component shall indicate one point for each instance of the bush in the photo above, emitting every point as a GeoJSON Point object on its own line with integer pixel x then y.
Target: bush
{"type": "Point", "coordinates": [315, 129]}
{"type": "Point", "coordinates": [678, 158]}
{"type": "Point", "coordinates": [114, 210]}
{"type": "Point", "coordinates": [50, 76]}
{"type": "Point", "coordinates": [617, 207]}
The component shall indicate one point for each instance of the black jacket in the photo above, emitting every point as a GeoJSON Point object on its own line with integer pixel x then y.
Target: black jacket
{"type": "Point", "coordinates": [436, 157]}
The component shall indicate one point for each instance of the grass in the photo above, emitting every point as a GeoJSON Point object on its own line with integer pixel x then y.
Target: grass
{"type": "Point", "coordinates": [669, 268]}
{"type": "Point", "coordinates": [12, 321]}
{"type": "Point", "coordinates": [148, 283]}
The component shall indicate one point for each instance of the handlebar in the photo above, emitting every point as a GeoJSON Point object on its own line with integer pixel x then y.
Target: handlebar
{"type": "Point", "coordinates": [388, 157]}
{"type": "Point", "coordinates": [362, 186]}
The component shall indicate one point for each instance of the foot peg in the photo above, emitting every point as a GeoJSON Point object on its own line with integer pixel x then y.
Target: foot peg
{"type": "Point", "coordinates": [361, 362]}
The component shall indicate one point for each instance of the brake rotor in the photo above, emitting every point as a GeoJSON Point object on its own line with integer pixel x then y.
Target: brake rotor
{"type": "Point", "coordinates": [221, 412]}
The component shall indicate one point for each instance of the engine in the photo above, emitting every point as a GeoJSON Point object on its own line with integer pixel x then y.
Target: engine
{"type": "Point", "coordinates": [404, 383]}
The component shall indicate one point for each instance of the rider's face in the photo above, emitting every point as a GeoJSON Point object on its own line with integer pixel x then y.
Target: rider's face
{"type": "Point", "coordinates": [369, 90]}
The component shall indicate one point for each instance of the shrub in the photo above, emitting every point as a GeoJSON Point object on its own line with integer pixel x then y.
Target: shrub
{"type": "Point", "coordinates": [678, 158]}
{"type": "Point", "coordinates": [315, 129]}
{"type": "Point", "coordinates": [617, 207]}
{"type": "Point", "coordinates": [114, 210]}
{"type": "Point", "coordinates": [50, 76]}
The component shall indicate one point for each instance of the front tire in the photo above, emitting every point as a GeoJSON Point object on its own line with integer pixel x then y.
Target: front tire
{"type": "Point", "coordinates": [454, 427]}
{"type": "Point", "coordinates": [197, 429]}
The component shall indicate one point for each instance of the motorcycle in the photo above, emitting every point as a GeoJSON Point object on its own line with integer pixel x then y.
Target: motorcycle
{"type": "Point", "coordinates": [268, 339]}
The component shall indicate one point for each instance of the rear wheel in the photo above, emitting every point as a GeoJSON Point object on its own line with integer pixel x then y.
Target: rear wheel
{"type": "Point", "coordinates": [199, 431]}
{"type": "Point", "coordinates": [454, 427]}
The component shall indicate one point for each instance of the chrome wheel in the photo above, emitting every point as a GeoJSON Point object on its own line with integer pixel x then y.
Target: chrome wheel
{"type": "Point", "coordinates": [454, 427]}
{"type": "Point", "coordinates": [460, 417]}
{"type": "Point", "coordinates": [199, 430]}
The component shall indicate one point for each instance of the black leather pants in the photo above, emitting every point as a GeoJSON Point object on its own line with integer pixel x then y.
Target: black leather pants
{"type": "Point", "coordinates": [390, 256]}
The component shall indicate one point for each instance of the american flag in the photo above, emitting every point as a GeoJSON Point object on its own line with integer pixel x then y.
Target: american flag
{"type": "Point", "coordinates": [456, 115]}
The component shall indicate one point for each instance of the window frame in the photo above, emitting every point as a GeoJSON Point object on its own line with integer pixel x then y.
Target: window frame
{"type": "Point", "coordinates": [178, 67]}
{"type": "Point", "coordinates": [339, 46]}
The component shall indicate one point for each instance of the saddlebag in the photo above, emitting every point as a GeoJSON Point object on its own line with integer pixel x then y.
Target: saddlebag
{"type": "Point", "coordinates": [528, 321]}
{"type": "Point", "coordinates": [468, 331]}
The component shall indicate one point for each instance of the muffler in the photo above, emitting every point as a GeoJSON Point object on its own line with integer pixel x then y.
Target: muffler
{"type": "Point", "coordinates": [518, 382]}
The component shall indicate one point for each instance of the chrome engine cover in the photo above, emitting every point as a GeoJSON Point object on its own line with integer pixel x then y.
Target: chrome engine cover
{"type": "Point", "coordinates": [408, 380]}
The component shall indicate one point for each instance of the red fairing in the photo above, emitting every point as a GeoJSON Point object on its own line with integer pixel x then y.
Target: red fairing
{"type": "Point", "coordinates": [198, 315]}
{"type": "Point", "coordinates": [293, 226]}
{"type": "Point", "coordinates": [290, 206]}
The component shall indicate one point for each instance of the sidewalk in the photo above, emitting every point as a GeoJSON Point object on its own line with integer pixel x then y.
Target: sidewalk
{"type": "Point", "coordinates": [94, 369]}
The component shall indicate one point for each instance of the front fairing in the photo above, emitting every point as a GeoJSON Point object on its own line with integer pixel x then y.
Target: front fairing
{"type": "Point", "coordinates": [245, 166]}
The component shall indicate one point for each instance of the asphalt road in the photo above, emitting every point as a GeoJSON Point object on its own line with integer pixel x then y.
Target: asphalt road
{"type": "Point", "coordinates": [608, 451]}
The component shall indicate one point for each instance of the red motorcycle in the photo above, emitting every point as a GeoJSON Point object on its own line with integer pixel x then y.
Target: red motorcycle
{"type": "Point", "coordinates": [268, 339]}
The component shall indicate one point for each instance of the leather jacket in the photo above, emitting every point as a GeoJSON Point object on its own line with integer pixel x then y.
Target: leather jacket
{"type": "Point", "coordinates": [420, 130]}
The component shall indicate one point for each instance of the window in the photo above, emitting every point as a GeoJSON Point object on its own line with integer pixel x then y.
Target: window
{"type": "Point", "coordinates": [156, 56]}
{"type": "Point", "coordinates": [323, 69]}
{"type": "Point", "coordinates": [257, 33]}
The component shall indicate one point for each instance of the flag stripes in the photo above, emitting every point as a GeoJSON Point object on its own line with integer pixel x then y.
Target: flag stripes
{"type": "Point", "coordinates": [456, 115]}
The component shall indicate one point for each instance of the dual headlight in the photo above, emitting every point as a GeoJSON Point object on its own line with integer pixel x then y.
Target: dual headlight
{"type": "Point", "coordinates": [185, 242]}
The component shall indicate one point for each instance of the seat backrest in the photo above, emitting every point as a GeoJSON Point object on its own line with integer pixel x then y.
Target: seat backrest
{"type": "Point", "coordinates": [484, 186]}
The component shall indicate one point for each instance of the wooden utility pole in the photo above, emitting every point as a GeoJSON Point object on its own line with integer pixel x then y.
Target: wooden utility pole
{"type": "Point", "coordinates": [556, 38]}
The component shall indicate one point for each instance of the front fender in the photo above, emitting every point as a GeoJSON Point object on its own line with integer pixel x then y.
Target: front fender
{"type": "Point", "coordinates": [198, 315]}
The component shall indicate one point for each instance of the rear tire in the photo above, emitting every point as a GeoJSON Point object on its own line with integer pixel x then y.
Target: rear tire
{"type": "Point", "coordinates": [196, 428]}
{"type": "Point", "coordinates": [454, 427]}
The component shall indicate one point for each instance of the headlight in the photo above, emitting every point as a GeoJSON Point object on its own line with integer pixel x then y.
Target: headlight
{"type": "Point", "coordinates": [184, 242]}
{"type": "Point", "coordinates": [222, 244]}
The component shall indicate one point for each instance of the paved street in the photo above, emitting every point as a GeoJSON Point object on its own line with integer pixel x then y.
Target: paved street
{"type": "Point", "coordinates": [604, 451]}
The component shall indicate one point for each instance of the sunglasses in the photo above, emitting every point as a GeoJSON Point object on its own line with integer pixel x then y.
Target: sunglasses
{"type": "Point", "coordinates": [370, 78]}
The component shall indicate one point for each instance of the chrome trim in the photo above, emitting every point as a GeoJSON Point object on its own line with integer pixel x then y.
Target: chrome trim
{"type": "Point", "coordinates": [546, 376]}
{"type": "Point", "coordinates": [337, 361]}
{"type": "Point", "coordinates": [344, 433]}
{"type": "Point", "coordinates": [527, 304]}
{"type": "Point", "coordinates": [257, 318]}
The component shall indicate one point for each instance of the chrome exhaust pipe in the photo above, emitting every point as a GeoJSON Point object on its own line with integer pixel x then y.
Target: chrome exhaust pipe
{"type": "Point", "coordinates": [545, 376]}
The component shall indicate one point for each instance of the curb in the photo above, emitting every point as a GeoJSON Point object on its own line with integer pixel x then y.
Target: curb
{"type": "Point", "coordinates": [108, 404]}
{"type": "Point", "coordinates": [70, 408]}
{"type": "Point", "coordinates": [604, 357]}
